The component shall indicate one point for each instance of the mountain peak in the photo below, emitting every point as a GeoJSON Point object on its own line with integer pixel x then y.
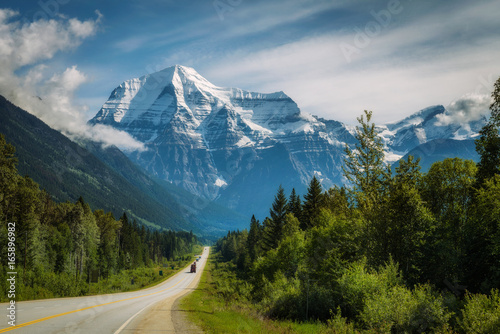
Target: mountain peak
{"type": "Point", "coordinates": [179, 96]}
{"type": "Point", "coordinates": [177, 74]}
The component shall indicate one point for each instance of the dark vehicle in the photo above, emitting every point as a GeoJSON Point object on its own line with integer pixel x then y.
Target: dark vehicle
{"type": "Point", "coordinates": [193, 267]}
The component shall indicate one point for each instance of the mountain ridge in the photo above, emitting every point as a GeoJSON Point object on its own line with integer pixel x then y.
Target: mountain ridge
{"type": "Point", "coordinates": [207, 139]}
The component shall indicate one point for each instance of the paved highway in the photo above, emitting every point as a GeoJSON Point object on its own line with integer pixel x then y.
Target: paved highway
{"type": "Point", "coordinates": [126, 312]}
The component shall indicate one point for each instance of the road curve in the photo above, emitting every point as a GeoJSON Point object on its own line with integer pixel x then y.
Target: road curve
{"type": "Point", "coordinates": [127, 312]}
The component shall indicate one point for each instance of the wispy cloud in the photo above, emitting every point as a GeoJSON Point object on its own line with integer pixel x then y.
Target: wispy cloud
{"type": "Point", "coordinates": [49, 96]}
{"type": "Point", "coordinates": [409, 65]}
{"type": "Point", "coordinates": [254, 18]}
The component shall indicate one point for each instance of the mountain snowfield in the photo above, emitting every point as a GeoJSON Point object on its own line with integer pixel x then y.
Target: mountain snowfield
{"type": "Point", "coordinates": [237, 147]}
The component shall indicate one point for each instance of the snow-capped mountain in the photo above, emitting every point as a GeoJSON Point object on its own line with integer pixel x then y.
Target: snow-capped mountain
{"type": "Point", "coordinates": [424, 126]}
{"type": "Point", "coordinates": [236, 146]}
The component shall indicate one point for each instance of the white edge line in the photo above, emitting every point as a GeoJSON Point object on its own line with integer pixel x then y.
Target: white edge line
{"type": "Point", "coordinates": [118, 331]}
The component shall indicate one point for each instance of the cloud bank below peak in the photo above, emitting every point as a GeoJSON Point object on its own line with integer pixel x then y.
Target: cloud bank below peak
{"type": "Point", "coordinates": [27, 82]}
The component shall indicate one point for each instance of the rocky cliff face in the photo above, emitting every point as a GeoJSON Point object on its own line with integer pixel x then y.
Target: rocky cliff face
{"type": "Point", "coordinates": [237, 147]}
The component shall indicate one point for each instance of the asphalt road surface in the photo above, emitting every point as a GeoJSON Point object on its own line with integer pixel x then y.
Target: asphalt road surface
{"type": "Point", "coordinates": [142, 311]}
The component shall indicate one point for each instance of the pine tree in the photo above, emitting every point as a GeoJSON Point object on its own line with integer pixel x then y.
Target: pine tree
{"type": "Point", "coordinates": [403, 225]}
{"type": "Point", "coordinates": [273, 231]}
{"type": "Point", "coordinates": [313, 202]}
{"type": "Point", "coordinates": [253, 239]}
{"type": "Point", "coordinates": [408, 172]}
{"type": "Point", "coordinates": [488, 144]}
{"type": "Point", "coordinates": [295, 205]}
{"type": "Point", "coordinates": [268, 239]}
{"type": "Point", "coordinates": [278, 211]}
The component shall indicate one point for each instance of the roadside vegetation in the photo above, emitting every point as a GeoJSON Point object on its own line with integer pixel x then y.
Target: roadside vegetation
{"type": "Point", "coordinates": [398, 252]}
{"type": "Point", "coordinates": [66, 249]}
{"type": "Point", "coordinates": [53, 285]}
{"type": "Point", "coordinates": [221, 304]}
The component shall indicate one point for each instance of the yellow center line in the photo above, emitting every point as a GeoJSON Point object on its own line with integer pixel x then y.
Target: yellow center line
{"type": "Point", "coordinates": [83, 309]}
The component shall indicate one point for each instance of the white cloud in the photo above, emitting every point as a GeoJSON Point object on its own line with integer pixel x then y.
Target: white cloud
{"type": "Point", "coordinates": [50, 96]}
{"type": "Point", "coordinates": [112, 136]}
{"type": "Point", "coordinates": [26, 44]}
{"type": "Point", "coordinates": [469, 108]}
{"type": "Point", "coordinates": [84, 29]}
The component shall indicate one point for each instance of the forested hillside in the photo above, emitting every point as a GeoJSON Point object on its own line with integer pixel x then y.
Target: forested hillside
{"type": "Point", "coordinates": [61, 247]}
{"type": "Point", "coordinates": [68, 171]}
{"type": "Point", "coordinates": [399, 252]}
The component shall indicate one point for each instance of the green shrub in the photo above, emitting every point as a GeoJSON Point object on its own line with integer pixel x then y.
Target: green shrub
{"type": "Point", "coordinates": [339, 325]}
{"type": "Point", "coordinates": [357, 284]}
{"type": "Point", "coordinates": [228, 286]}
{"type": "Point", "coordinates": [281, 297]}
{"type": "Point", "coordinates": [406, 311]}
{"type": "Point", "coordinates": [481, 314]}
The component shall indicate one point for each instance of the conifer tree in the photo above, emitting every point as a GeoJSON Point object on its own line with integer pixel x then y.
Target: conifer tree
{"type": "Point", "coordinates": [313, 202]}
{"type": "Point", "coordinates": [268, 238]}
{"type": "Point", "coordinates": [273, 231]}
{"type": "Point", "coordinates": [253, 239]}
{"type": "Point", "coordinates": [279, 210]}
{"type": "Point", "coordinates": [404, 223]}
{"type": "Point", "coordinates": [8, 175]}
{"type": "Point", "coordinates": [295, 205]}
{"type": "Point", "coordinates": [337, 202]}
{"type": "Point", "coordinates": [488, 144]}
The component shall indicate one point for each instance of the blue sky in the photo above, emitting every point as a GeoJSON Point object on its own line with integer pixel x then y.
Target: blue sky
{"type": "Point", "coordinates": [334, 58]}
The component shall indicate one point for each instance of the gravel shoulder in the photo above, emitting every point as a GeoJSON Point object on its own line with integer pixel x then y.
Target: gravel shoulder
{"type": "Point", "coordinates": [166, 316]}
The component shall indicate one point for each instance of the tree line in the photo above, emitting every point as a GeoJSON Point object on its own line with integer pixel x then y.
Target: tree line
{"type": "Point", "coordinates": [399, 251]}
{"type": "Point", "coordinates": [70, 242]}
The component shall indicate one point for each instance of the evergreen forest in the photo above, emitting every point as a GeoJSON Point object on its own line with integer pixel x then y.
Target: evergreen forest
{"type": "Point", "coordinates": [61, 248]}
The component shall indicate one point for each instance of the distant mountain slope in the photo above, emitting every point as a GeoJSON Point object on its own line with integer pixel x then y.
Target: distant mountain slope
{"type": "Point", "coordinates": [440, 149]}
{"type": "Point", "coordinates": [67, 171]}
{"type": "Point", "coordinates": [207, 216]}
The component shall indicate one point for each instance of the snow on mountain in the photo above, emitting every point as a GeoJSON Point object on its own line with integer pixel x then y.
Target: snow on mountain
{"type": "Point", "coordinates": [144, 106]}
{"type": "Point", "coordinates": [422, 127]}
{"type": "Point", "coordinates": [232, 145]}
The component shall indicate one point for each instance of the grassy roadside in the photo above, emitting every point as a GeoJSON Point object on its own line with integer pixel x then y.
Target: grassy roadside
{"type": "Point", "coordinates": [143, 277]}
{"type": "Point", "coordinates": [207, 309]}
{"type": "Point", "coordinates": [124, 281]}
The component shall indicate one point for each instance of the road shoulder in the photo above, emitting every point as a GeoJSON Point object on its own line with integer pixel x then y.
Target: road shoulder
{"type": "Point", "coordinates": [166, 315]}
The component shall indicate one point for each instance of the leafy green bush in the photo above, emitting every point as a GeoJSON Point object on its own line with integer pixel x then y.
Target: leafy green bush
{"type": "Point", "coordinates": [228, 286]}
{"type": "Point", "coordinates": [406, 311]}
{"type": "Point", "coordinates": [481, 314]}
{"type": "Point", "coordinates": [285, 259]}
{"type": "Point", "coordinates": [380, 301]}
{"type": "Point", "coordinates": [358, 284]}
{"type": "Point", "coordinates": [281, 296]}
